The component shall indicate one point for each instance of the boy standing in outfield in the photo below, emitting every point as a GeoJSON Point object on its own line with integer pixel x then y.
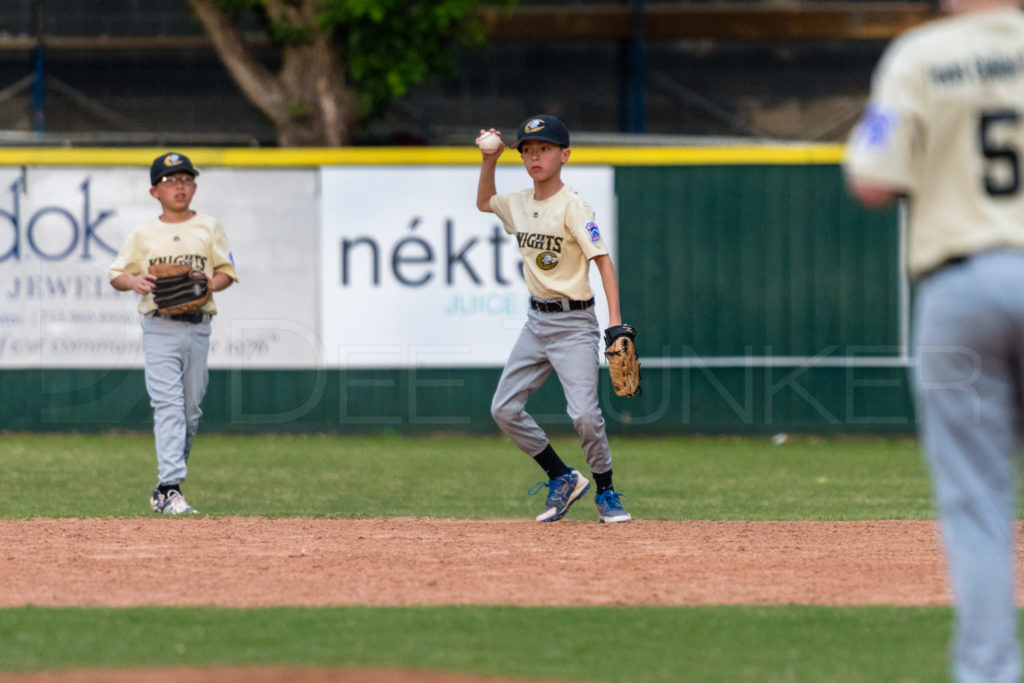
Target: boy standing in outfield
{"type": "Point", "coordinates": [558, 237]}
{"type": "Point", "coordinates": [175, 346]}
{"type": "Point", "coordinates": [945, 126]}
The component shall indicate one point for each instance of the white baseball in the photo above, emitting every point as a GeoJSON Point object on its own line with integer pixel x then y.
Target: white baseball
{"type": "Point", "coordinates": [489, 142]}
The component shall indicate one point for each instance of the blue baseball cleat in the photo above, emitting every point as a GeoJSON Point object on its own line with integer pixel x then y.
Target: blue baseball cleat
{"type": "Point", "coordinates": [609, 507]}
{"type": "Point", "coordinates": [563, 491]}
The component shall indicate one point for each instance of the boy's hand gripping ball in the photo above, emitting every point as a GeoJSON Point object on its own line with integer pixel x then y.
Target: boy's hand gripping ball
{"type": "Point", "coordinates": [489, 142]}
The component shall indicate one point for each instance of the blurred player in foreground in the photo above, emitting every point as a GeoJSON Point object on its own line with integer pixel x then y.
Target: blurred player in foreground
{"type": "Point", "coordinates": [175, 346]}
{"type": "Point", "coordinates": [558, 237]}
{"type": "Point", "coordinates": [945, 127]}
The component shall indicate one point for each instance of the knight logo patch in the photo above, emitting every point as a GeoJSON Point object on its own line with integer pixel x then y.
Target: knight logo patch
{"type": "Point", "coordinates": [593, 231]}
{"type": "Point", "coordinates": [547, 260]}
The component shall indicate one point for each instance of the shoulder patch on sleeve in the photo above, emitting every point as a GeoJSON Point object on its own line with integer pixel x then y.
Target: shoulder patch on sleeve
{"type": "Point", "coordinates": [593, 231]}
{"type": "Point", "coordinates": [877, 125]}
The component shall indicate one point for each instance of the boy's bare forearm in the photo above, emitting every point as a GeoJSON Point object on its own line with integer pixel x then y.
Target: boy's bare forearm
{"type": "Point", "coordinates": [140, 284]}
{"type": "Point", "coordinates": [220, 281]}
{"type": "Point", "coordinates": [486, 187]}
{"type": "Point", "coordinates": [610, 280]}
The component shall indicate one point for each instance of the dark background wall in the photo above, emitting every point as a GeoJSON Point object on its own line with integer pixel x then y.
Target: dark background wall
{"type": "Point", "coordinates": [781, 89]}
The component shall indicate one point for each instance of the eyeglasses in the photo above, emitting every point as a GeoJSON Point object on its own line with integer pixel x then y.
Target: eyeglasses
{"type": "Point", "coordinates": [183, 178]}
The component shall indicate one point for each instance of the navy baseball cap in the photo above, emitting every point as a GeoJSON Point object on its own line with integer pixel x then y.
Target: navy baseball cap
{"type": "Point", "coordinates": [172, 162]}
{"type": "Point", "coordinates": [543, 127]}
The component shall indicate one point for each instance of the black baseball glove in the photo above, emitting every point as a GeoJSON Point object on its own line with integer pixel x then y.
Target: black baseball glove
{"type": "Point", "coordinates": [179, 288]}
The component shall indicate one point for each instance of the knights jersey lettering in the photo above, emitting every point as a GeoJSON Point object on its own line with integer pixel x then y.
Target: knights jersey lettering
{"type": "Point", "coordinates": [200, 242]}
{"type": "Point", "coordinates": [557, 238]}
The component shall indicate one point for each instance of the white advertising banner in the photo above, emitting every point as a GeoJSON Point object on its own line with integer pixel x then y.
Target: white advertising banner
{"type": "Point", "coordinates": [413, 275]}
{"type": "Point", "coordinates": [61, 227]}
{"type": "Point", "coordinates": [385, 267]}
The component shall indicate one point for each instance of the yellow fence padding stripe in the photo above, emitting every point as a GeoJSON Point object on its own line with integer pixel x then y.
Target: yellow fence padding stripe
{"type": "Point", "coordinates": [418, 156]}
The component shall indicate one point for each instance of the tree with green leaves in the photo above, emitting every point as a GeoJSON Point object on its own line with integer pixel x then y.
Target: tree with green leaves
{"type": "Point", "coordinates": [338, 61]}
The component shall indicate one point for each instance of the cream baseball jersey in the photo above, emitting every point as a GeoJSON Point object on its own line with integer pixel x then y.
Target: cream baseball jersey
{"type": "Point", "coordinates": [557, 237]}
{"type": "Point", "coordinates": [945, 125]}
{"type": "Point", "coordinates": [200, 241]}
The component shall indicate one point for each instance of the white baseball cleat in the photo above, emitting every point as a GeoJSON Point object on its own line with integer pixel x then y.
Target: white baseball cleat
{"type": "Point", "coordinates": [157, 500]}
{"type": "Point", "coordinates": [175, 504]}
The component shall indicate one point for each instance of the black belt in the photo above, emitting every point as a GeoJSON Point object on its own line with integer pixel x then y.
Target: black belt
{"type": "Point", "coordinates": [560, 305]}
{"type": "Point", "coordinates": [952, 261]}
{"type": "Point", "coordinates": [194, 317]}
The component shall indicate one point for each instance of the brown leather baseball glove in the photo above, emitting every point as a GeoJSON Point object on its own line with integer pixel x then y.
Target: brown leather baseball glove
{"type": "Point", "coordinates": [623, 364]}
{"type": "Point", "coordinates": [179, 288]}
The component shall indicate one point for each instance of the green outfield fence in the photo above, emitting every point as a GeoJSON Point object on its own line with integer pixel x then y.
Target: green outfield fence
{"type": "Point", "coordinates": [766, 300]}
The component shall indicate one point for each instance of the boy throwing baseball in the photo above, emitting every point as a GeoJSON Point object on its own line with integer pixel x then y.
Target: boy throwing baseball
{"type": "Point", "coordinates": [558, 238]}
{"type": "Point", "coordinates": [175, 345]}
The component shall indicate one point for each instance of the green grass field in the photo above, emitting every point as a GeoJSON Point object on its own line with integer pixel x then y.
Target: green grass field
{"type": "Point", "coordinates": [466, 477]}
{"type": "Point", "coordinates": [662, 478]}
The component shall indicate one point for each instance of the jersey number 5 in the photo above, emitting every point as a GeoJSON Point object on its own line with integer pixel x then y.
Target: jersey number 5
{"type": "Point", "coordinates": [1004, 154]}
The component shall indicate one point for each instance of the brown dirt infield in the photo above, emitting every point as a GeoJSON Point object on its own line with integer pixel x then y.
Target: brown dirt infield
{"type": "Point", "coordinates": [254, 562]}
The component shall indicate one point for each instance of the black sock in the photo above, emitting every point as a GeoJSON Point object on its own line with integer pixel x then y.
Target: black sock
{"type": "Point", "coordinates": [551, 463]}
{"type": "Point", "coordinates": [167, 488]}
{"type": "Point", "coordinates": [603, 481]}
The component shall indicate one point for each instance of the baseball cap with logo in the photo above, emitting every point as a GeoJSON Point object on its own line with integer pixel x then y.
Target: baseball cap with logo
{"type": "Point", "coordinates": [171, 162]}
{"type": "Point", "coordinates": [543, 127]}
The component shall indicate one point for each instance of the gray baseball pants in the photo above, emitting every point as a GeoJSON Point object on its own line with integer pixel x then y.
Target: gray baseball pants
{"type": "Point", "coordinates": [176, 379]}
{"type": "Point", "coordinates": [969, 382]}
{"type": "Point", "coordinates": [567, 342]}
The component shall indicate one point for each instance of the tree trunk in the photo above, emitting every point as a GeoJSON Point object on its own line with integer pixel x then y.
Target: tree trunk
{"type": "Point", "coordinates": [308, 100]}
